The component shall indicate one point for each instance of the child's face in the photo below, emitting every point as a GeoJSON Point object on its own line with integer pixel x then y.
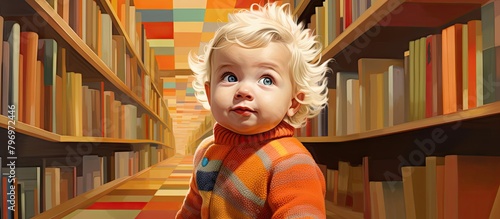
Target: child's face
{"type": "Point", "coordinates": [250, 90]}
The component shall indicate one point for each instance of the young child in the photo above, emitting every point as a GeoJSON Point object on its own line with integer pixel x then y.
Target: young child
{"type": "Point", "coordinates": [257, 78]}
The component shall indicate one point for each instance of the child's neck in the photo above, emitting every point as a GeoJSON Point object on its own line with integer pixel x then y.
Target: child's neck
{"type": "Point", "coordinates": [225, 136]}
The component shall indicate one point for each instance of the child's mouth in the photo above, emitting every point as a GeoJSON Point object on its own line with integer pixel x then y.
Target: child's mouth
{"type": "Point", "coordinates": [244, 111]}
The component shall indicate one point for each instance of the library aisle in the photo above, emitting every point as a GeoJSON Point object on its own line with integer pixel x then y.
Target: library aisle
{"type": "Point", "coordinates": [155, 193]}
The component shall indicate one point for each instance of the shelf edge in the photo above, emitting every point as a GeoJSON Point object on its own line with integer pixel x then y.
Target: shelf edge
{"type": "Point", "coordinates": [478, 112]}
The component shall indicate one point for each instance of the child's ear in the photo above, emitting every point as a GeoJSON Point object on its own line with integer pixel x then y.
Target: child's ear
{"type": "Point", "coordinates": [207, 91]}
{"type": "Point", "coordinates": [295, 104]}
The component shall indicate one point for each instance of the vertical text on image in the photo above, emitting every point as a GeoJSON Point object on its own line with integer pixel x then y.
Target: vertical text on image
{"type": "Point", "coordinates": [11, 157]}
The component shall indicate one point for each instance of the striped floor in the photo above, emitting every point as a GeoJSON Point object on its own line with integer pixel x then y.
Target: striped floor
{"type": "Point", "coordinates": [157, 193]}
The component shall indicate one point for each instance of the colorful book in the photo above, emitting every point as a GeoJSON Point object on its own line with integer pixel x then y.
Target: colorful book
{"type": "Point", "coordinates": [393, 194]}
{"type": "Point", "coordinates": [433, 76]}
{"type": "Point", "coordinates": [452, 68]}
{"type": "Point", "coordinates": [414, 191]}
{"type": "Point", "coordinates": [353, 112]}
{"type": "Point", "coordinates": [341, 100]}
{"type": "Point", "coordinates": [12, 32]}
{"type": "Point", "coordinates": [5, 78]}
{"type": "Point", "coordinates": [366, 67]}
{"type": "Point", "coordinates": [396, 98]}
{"type": "Point", "coordinates": [434, 193]}
{"type": "Point", "coordinates": [47, 53]}
{"type": "Point", "coordinates": [470, 185]}
{"type": "Point", "coordinates": [489, 30]}
{"type": "Point", "coordinates": [495, 210]}
{"type": "Point", "coordinates": [28, 48]}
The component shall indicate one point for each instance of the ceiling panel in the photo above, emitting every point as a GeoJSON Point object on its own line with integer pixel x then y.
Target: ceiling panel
{"type": "Point", "coordinates": [190, 4]}
{"type": "Point", "coordinates": [153, 4]}
{"type": "Point", "coordinates": [166, 62]}
{"type": "Point", "coordinates": [159, 30]}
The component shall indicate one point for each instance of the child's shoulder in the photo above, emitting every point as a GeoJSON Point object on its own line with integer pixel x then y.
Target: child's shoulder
{"type": "Point", "coordinates": [202, 147]}
{"type": "Point", "coordinates": [206, 142]}
{"type": "Point", "coordinates": [290, 153]}
{"type": "Point", "coordinates": [289, 146]}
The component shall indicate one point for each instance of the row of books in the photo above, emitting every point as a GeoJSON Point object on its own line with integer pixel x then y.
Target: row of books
{"type": "Point", "coordinates": [97, 33]}
{"type": "Point", "coordinates": [112, 51]}
{"type": "Point", "coordinates": [35, 79]}
{"type": "Point", "coordinates": [318, 126]}
{"type": "Point", "coordinates": [102, 115]}
{"type": "Point", "coordinates": [440, 74]}
{"type": "Point", "coordinates": [41, 187]}
{"type": "Point", "coordinates": [451, 186]}
{"type": "Point", "coordinates": [334, 16]}
{"type": "Point", "coordinates": [454, 70]}
{"type": "Point", "coordinates": [94, 25]}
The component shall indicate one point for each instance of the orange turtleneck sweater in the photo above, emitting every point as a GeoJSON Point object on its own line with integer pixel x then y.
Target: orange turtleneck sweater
{"type": "Point", "coordinates": [266, 175]}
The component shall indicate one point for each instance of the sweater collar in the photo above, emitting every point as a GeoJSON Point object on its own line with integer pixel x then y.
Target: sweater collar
{"type": "Point", "coordinates": [224, 136]}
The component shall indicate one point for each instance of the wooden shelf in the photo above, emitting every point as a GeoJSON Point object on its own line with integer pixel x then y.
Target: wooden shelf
{"type": "Point", "coordinates": [64, 138]}
{"type": "Point", "coordinates": [42, 134]}
{"type": "Point", "coordinates": [482, 111]}
{"type": "Point", "coordinates": [117, 25]}
{"type": "Point", "coordinates": [464, 134]}
{"type": "Point", "coordinates": [24, 128]}
{"type": "Point", "coordinates": [44, 10]}
{"type": "Point", "coordinates": [317, 139]}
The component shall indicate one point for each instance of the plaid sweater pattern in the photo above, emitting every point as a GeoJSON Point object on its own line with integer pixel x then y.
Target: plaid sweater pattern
{"type": "Point", "coordinates": [267, 175]}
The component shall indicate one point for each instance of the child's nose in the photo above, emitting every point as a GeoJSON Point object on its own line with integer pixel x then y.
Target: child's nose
{"type": "Point", "coordinates": [243, 93]}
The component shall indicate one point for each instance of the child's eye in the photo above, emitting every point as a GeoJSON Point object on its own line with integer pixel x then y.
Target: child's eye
{"type": "Point", "coordinates": [266, 81]}
{"type": "Point", "coordinates": [230, 77]}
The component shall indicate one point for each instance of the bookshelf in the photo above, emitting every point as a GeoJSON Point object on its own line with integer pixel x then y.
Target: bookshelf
{"type": "Point", "coordinates": [111, 140]}
{"type": "Point", "coordinates": [88, 59]}
{"type": "Point", "coordinates": [23, 128]}
{"type": "Point", "coordinates": [383, 31]}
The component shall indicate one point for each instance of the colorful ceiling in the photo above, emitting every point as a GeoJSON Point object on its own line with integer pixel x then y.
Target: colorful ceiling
{"type": "Point", "coordinates": [180, 26]}
{"type": "Point", "coordinates": [174, 28]}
